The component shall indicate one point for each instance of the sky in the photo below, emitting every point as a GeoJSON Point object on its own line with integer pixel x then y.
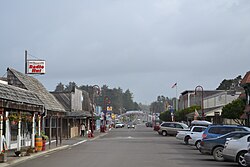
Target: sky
{"type": "Point", "coordinates": [142, 45]}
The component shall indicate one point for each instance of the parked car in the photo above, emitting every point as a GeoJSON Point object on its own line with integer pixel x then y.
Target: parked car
{"type": "Point", "coordinates": [215, 146]}
{"type": "Point", "coordinates": [247, 156]}
{"type": "Point", "coordinates": [194, 134]}
{"type": "Point", "coordinates": [195, 137]}
{"type": "Point", "coordinates": [171, 128]}
{"type": "Point", "coordinates": [235, 149]}
{"type": "Point", "coordinates": [213, 131]}
{"type": "Point", "coordinates": [119, 125]}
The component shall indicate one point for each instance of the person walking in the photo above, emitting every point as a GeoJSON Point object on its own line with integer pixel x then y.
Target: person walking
{"type": "Point", "coordinates": [83, 128]}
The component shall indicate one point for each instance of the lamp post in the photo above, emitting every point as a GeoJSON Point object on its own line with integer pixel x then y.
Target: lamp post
{"type": "Point", "coordinates": [93, 106]}
{"type": "Point", "coordinates": [202, 108]}
{"type": "Point", "coordinates": [106, 103]}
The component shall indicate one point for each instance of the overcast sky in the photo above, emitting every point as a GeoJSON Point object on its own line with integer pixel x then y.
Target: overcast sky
{"type": "Point", "coordinates": [142, 45]}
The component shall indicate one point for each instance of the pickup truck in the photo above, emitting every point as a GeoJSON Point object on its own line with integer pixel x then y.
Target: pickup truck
{"type": "Point", "coordinates": [192, 136]}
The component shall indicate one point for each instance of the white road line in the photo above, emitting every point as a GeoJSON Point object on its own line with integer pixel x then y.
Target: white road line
{"type": "Point", "coordinates": [79, 143]}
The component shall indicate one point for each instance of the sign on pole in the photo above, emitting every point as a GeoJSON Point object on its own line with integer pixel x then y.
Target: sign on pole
{"type": "Point", "coordinates": [35, 66]}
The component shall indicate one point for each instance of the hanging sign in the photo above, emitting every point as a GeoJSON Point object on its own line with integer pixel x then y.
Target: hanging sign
{"type": "Point", "coordinates": [35, 66]}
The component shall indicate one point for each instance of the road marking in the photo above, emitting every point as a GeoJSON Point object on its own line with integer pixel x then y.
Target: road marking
{"type": "Point", "coordinates": [79, 142]}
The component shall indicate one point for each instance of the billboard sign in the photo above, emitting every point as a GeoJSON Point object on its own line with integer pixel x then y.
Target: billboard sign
{"type": "Point", "coordinates": [35, 66]}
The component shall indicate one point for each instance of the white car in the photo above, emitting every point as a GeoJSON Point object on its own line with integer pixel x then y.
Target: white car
{"type": "Point", "coordinates": [119, 125]}
{"type": "Point", "coordinates": [235, 149]}
{"type": "Point", "coordinates": [192, 136]}
{"type": "Point", "coordinates": [195, 139]}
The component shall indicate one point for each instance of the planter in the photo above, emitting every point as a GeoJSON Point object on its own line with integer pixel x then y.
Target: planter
{"type": "Point", "coordinates": [38, 143]}
{"type": "Point", "coordinates": [3, 157]}
{"type": "Point", "coordinates": [44, 145]}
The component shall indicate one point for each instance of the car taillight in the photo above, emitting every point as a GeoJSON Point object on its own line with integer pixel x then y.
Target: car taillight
{"type": "Point", "coordinates": [204, 136]}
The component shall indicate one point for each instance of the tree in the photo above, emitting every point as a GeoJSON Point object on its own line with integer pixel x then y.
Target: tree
{"type": "Point", "coordinates": [70, 86]}
{"type": "Point", "coordinates": [165, 116]}
{"type": "Point", "coordinates": [230, 84]}
{"type": "Point", "coordinates": [59, 87]}
{"type": "Point", "coordinates": [181, 115]}
{"type": "Point", "coordinates": [234, 110]}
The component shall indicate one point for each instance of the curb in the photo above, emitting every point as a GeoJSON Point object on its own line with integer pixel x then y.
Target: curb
{"type": "Point", "coordinates": [33, 156]}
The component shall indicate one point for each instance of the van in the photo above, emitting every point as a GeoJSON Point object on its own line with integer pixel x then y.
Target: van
{"type": "Point", "coordinates": [171, 128]}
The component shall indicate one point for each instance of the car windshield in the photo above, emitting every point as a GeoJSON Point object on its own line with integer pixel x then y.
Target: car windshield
{"type": "Point", "coordinates": [185, 126]}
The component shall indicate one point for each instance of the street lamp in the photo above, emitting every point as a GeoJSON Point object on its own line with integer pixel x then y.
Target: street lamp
{"type": "Point", "coordinates": [95, 87]}
{"type": "Point", "coordinates": [202, 108]}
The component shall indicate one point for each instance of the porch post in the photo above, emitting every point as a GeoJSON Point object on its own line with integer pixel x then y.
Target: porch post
{"type": "Point", "coordinates": [39, 125]}
{"type": "Point", "coordinates": [50, 129]}
{"type": "Point", "coordinates": [33, 131]}
{"type": "Point", "coordinates": [7, 133]}
{"type": "Point", "coordinates": [19, 132]}
{"type": "Point", "coordinates": [57, 130]}
{"type": "Point", "coordinates": [1, 131]}
{"type": "Point", "coordinates": [68, 127]}
{"type": "Point", "coordinates": [61, 131]}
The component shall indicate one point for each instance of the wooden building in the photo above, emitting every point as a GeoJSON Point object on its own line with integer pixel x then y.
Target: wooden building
{"type": "Point", "coordinates": [53, 111]}
{"type": "Point", "coordinates": [19, 115]}
{"type": "Point", "coordinates": [73, 102]}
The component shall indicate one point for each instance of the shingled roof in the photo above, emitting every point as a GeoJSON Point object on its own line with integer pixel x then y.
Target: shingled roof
{"type": "Point", "coordinates": [246, 79]}
{"type": "Point", "coordinates": [30, 83]}
{"type": "Point", "coordinates": [12, 93]}
{"type": "Point", "coordinates": [63, 98]}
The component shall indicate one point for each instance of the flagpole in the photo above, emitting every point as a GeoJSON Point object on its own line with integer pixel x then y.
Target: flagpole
{"type": "Point", "coordinates": [176, 105]}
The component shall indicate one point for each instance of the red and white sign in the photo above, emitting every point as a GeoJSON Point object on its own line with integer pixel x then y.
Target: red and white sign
{"type": "Point", "coordinates": [36, 67]}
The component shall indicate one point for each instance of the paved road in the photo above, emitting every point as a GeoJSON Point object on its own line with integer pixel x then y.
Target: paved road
{"type": "Point", "coordinates": [141, 147]}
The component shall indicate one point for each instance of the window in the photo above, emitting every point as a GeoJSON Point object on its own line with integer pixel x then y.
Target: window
{"type": "Point", "coordinates": [238, 136]}
{"type": "Point", "coordinates": [178, 126]}
{"type": "Point", "coordinates": [53, 123]}
{"type": "Point", "coordinates": [239, 129]}
{"type": "Point", "coordinates": [165, 125]}
{"type": "Point", "coordinates": [198, 129]}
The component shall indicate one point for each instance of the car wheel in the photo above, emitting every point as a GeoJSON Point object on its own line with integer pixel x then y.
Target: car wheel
{"type": "Point", "coordinates": [164, 133]}
{"type": "Point", "coordinates": [186, 139]}
{"type": "Point", "coordinates": [217, 154]}
{"type": "Point", "coordinates": [198, 144]}
{"type": "Point", "coordinates": [241, 159]}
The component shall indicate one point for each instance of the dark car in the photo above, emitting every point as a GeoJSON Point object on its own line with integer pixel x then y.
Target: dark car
{"type": "Point", "coordinates": [214, 146]}
{"type": "Point", "coordinates": [214, 131]}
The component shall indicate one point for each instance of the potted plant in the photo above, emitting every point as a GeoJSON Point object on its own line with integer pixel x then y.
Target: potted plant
{"type": "Point", "coordinates": [44, 137]}
{"type": "Point", "coordinates": [3, 156]}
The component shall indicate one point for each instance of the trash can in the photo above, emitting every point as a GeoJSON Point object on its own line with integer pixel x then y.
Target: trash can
{"type": "Point", "coordinates": [38, 143]}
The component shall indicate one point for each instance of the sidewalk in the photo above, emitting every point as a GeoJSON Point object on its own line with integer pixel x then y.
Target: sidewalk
{"type": "Point", "coordinates": [13, 159]}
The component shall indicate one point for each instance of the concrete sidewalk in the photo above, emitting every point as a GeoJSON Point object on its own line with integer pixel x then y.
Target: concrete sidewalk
{"type": "Point", "coordinates": [13, 159]}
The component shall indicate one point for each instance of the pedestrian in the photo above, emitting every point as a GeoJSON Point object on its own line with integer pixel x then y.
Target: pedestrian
{"type": "Point", "coordinates": [83, 128]}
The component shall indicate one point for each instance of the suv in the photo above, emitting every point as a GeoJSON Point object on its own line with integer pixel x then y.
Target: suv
{"type": "Point", "coordinates": [171, 128]}
{"type": "Point", "coordinates": [213, 131]}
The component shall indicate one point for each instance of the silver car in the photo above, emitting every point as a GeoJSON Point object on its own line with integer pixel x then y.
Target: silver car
{"type": "Point", "coordinates": [171, 128]}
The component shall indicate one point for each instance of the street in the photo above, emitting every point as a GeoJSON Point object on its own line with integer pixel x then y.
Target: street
{"type": "Point", "coordinates": [140, 147]}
